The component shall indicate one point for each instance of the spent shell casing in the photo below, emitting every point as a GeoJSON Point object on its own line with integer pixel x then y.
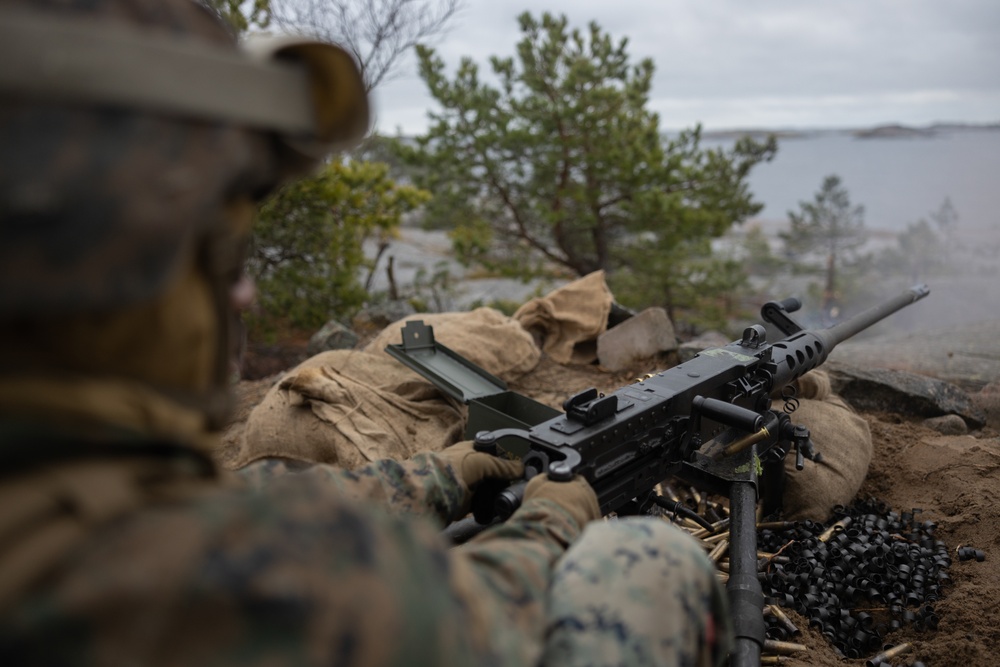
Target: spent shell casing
{"type": "Point", "coordinates": [784, 620]}
{"type": "Point", "coordinates": [718, 551]}
{"type": "Point", "coordinates": [782, 648]}
{"type": "Point", "coordinates": [715, 539]}
{"type": "Point", "coordinates": [888, 655]}
{"type": "Point", "coordinates": [775, 525]}
{"type": "Point", "coordinates": [835, 528]}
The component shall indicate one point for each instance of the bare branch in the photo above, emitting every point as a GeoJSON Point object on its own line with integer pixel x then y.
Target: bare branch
{"type": "Point", "coordinates": [376, 32]}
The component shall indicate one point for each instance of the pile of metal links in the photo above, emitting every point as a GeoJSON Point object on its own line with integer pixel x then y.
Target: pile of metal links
{"type": "Point", "coordinates": [870, 573]}
{"type": "Point", "coordinates": [867, 573]}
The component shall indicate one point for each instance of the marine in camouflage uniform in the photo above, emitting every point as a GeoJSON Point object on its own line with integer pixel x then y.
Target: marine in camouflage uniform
{"type": "Point", "coordinates": [121, 541]}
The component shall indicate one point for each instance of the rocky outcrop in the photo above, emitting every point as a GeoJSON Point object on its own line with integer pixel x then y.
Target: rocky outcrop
{"type": "Point", "coordinates": [903, 393]}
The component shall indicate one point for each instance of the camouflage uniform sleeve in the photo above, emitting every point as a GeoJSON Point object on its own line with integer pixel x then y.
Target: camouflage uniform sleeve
{"type": "Point", "coordinates": [500, 579]}
{"type": "Point", "coordinates": [294, 575]}
{"type": "Point", "coordinates": [423, 485]}
{"type": "Point", "coordinates": [511, 566]}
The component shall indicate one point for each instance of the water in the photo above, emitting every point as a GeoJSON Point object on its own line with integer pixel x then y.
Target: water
{"type": "Point", "coordinates": [900, 181]}
{"type": "Point", "coordinates": [897, 180]}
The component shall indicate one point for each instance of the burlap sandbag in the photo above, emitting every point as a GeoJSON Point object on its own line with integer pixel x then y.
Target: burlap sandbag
{"type": "Point", "coordinates": [844, 440]}
{"type": "Point", "coordinates": [349, 407]}
{"type": "Point", "coordinates": [567, 321]}
{"type": "Point", "coordinates": [486, 337]}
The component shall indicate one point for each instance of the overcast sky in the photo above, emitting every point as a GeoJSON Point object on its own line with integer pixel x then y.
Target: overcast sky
{"type": "Point", "coordinates": [762, 63]}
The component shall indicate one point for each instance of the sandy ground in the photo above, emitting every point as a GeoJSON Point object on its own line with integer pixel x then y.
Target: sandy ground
{"type": "Point", "coordinates": [953, 479]}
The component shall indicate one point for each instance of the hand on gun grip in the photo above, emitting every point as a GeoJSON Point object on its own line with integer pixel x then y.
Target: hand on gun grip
{"type": "Point", "coordinates": [473, 467]}
{"type": "Point", "coordinates": [575, 496]}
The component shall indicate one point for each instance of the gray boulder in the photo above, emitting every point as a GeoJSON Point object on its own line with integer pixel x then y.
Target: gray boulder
{"type": "Point", "coordinates": [903, 393]}
{"type": "Point", "coordinates": [640, 337]}
{"type": "Point", "coordinates": [333, 336]}
{"type": "Point", "coordinates": [380, 315]}
{"type": "Point", "coordinates": [947, 425]}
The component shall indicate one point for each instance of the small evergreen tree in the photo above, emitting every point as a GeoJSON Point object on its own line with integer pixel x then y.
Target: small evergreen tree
{"type": "Point", "coordinates": [560, 167]}
{"type": "Point", "coordinates": [828, 227]}
{"type": "Point", "coordinates": [946, 219]}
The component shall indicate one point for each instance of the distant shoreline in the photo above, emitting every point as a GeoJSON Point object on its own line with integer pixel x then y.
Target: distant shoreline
{"type": "Point", "coordinates": [887, 131]}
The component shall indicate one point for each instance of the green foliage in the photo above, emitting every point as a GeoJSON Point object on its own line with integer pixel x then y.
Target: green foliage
{"type": "Point", "coordinates": [242, 14]}
{"type": "Point", "coordinates": [432, 291]}
{"type": "Point", "coordinates": [560, 168]}
{"type": "Point", "coordinates": [758, 259]}
{"type": "Point", "coordinates": [701, 289]}
{"type": "Point", "coordinates": [828, 227]}
{"type": "Point", "coordinates": [307, 253]}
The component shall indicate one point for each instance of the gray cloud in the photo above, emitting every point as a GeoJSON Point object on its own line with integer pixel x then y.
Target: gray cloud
{"type": "Point", "coordinates": [769, 63]}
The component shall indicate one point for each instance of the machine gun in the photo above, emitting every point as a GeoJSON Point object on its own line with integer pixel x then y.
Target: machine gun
{"type": "Point", "coordinates": [708, 421]}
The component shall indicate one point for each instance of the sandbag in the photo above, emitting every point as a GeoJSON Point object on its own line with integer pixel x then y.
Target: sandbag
{"type": "Point", "coordinates": [567, 321]}
{"type": "Point", "coordinates": [349, 407]}
{"type": "Point", "coordinates": [844, 439]}
{"type": "Point", "coordinates": [485, 336]}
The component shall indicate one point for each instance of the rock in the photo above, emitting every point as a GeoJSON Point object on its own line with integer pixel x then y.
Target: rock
{"type": "Point", "coordinates": [988, 400]}
{"type": "Point", "coordinates": [380, 315]}
{"type": "Point", "coordinates": [947, 425]}
{"type": "Point", "coordinates": [967, 355]}
{"type": "Point", "coordinates": [901, 392]}
{"type": "Point", "coordinates": [640, 337]}
{"type": "Point", "coordinates": [618, 314]}
{"type": "Point", "coordinates": [333, 336]}
{"type": "Point", "coordinates": [707, 340]}
{"type": "Point", "coordinates": [991, 388]}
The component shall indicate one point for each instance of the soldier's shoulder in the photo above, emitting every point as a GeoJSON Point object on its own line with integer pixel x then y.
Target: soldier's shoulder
{"type": "Point", "coordinates": [237, 573]}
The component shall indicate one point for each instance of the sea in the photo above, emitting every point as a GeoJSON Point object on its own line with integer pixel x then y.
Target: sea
{"type": "Point", "coordinates": [897, 179]}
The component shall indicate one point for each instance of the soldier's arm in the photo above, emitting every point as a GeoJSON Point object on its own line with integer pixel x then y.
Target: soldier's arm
{"type": "Point", "coordinates": [482, 603]}
{"type": "Point", "coordinates": [293, 575]}
{"type": "Point", "coordinates": [497, 582]}
{"type": "Point", "coordinates": [511, 566]}
{"type": "Point", "coordinates": [424, 484]}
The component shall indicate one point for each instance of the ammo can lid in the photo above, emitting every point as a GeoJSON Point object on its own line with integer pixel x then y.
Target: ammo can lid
{"type": "Point", "coordinates": [446, 369]}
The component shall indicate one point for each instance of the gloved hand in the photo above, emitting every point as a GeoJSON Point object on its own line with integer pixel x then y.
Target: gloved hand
{"type": "Point", "coordinates": [473, 467]}
{"type": "Point", "coordinates": [575, 496]}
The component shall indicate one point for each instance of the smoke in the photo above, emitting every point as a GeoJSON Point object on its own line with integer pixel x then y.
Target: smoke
{"type": "Point", "coordinates": [962, 270]}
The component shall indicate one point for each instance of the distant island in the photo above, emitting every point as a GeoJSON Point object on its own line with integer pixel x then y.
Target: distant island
{"type": "Point", "coordinates": [888, 131]}
{"type": "Point", "coordinates": [895, 132]}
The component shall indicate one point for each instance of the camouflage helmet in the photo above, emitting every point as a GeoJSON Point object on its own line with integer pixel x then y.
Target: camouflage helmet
{"type": "Point", "coordinates": [125, 128]}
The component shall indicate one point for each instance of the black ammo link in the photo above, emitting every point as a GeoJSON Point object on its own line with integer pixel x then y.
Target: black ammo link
{"type": "Point", "coordinates": [883, 572]}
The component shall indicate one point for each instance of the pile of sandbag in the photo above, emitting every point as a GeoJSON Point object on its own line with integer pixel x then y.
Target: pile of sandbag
{"type": "Point", "coordinates": [349, 407]}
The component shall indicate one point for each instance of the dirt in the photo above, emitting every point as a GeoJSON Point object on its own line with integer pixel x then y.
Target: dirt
{"type": "Point", "coordinates": [952, 479]}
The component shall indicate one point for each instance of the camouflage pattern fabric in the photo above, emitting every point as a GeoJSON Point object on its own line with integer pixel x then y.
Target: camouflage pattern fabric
{"type": "Point", "coordinates": [636, 592]}
{"type": "Point", "coordinates": [326, 566]}
{"type": "Point", "coordinates": [100, 204]}
{"type": "Point", "coordinates": [297, 574]}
